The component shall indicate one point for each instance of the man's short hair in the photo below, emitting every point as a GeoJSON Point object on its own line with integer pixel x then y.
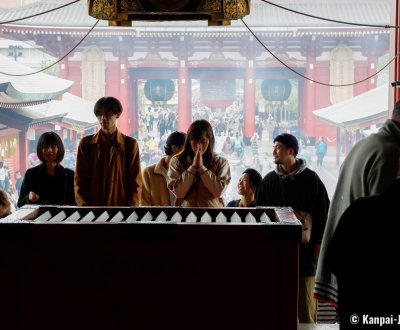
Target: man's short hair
{"type": "Point", "coordinates": [50, 139]}
{"type": "Point", "coordinates": [108, 103]}
{"type": "Point", "coordinates": [289, 141]}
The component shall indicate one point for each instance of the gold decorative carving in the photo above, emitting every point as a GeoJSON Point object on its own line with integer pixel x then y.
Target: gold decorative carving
{"type": "Point", "coordinates": [230, 9]}
{"type": "Point", "coordinates": [243, 7]}
{"type": "Point", "coordinates": [103, 9]}
{"type": "Point", "coordinates": [234, 9]}
{"type": "Point", "coordinates": [122, 12]}
{"type": "Point", "coordinates": [210, 6]}
{"type": "Point", "coordinates": [130, 5]}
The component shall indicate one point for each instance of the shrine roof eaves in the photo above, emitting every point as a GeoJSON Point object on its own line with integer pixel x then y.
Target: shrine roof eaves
{"type": "Point", "coordinates": [363, 108]}
{"type": "Point", "coordinates": [15, 104]}
{"type": "Point", "coordinates": [70, 109]}
{"type": "Point", "coordinates": [144, 32]}
{"type": "Point", "coordinates": [79, 112]}
{"type": "Point", "coordinates": [30, 117]}
{"type": "Point", "coordinates": [35, 87]}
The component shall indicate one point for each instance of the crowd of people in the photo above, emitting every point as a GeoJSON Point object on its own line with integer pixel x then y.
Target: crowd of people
{"type": "Point", "coordinates": [110, 171]}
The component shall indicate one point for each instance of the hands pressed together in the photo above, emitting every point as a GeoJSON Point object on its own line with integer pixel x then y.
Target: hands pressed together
{"type": "Point", "coordinates": [198, 157]}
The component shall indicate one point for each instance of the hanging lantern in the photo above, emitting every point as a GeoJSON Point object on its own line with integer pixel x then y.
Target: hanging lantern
{"type": "Point", "coordinates": [215, 93]}
{"type": "Point", "coordinates": [276, 89]}
{"type": "Point", "coordinates": [159, 90]}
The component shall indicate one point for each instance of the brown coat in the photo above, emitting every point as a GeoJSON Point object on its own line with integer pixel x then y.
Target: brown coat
{"type": "Point", "coordinates": [155, 191]}
{"type": "Point", "coordinates": [123, 184]}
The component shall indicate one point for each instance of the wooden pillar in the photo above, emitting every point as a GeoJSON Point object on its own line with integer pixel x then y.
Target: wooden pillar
{"type": "Point", "coordinates": [74, 140]}
{"type": "Point", "coordinates": [372, 68]}
{"type": "Point", "coordinates": [64, 69]}
{"type": "Point", "coordinates": [133, 106]}
{"type": "Point", "coordinates": [23, 150]}
{"type": "Point", "coordinates": [184, 97]}
{"type": "Point", "coordinates": [249, 100]}
{"type": "Point", "coordinates": [124, 121]}
{"type": "Point", "coordinates": [394, 94]}
{"type": "Point", "coordinates": [338, 145]}
{"type": "Point", "coordinates": [309, 100]}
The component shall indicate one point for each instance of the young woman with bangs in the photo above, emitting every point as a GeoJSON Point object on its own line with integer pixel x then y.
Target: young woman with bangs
{"type": "Point", "coordinates": [197, 175]}
{"type": "Point", "coordinates": [49, 182]}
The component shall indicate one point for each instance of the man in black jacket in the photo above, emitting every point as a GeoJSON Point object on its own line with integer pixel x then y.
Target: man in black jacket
{"type": "Point", "coordinates": [293, 184]}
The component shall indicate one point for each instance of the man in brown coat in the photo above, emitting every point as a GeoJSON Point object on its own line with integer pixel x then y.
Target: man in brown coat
{"type": "Point", "coordinates": [108, 165]}
{"type": "Point", "coordinates": [155, 191]}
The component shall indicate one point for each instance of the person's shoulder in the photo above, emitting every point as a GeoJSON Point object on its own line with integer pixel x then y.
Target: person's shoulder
{"type": "Point", "coordinates": [219, 159]}
{"type": "Point", "coordinates": [175, 162]}
{"type": "Point", "coordinates": [86, 139]}
{"type": "Point", "coordinates": [61, 170]}
{"type": "Point", "coordinates": [34, 170]}
{"type": "Point", "coordinates": [311, 173]}
{"type": "Point", "coordinates": [149, 169]}
{"type": "Point", "coordinates": [271, 174]}
{"type": "Point", "coordinates": [68, 171]}
{"type": "Point", "coordinates": [233, 203]}
{"type": "Point", "coordinates": [129, 140]}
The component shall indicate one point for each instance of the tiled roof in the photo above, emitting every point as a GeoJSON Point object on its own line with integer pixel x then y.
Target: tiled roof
{"type": "Point", "coordinates": [358, 11]}
{"type": "Point", "coordinates": [70, 109]}
{"type": "Point", "coordinates": [368, 106]}
{"type": "Point", "coordinates": [34, 114]}
{"type": "Point", "coordinates": [36, 87]}
{"type": "Point", "coordinates": [261, 15]}
{"type": "Point", "coordinates": [15, 105]}
{"type": "Point", "coordinates": [79, 112]}
{"type": "Point", "coordinates": [37, 98]}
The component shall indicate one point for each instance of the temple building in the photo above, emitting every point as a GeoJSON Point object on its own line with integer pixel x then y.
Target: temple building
{"type": "Point", "coordinates": [313, 56]}
{"type": "Point", "coordinates": [32, 104]}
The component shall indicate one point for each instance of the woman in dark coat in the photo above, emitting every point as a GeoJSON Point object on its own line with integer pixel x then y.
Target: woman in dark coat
{"type": "Point", "coordinates": [48, 183]}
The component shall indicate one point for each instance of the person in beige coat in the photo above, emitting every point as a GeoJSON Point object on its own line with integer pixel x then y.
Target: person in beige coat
{"type": "Point", "coordinates": [108, 165]}
{"type": "Point", "coordinates": [197, 175]}
{"type": "Point", "coordinates": [154, 190]}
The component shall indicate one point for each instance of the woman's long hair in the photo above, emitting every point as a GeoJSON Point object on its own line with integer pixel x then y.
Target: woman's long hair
{"type": "Point", "coordinates": [195, 132]}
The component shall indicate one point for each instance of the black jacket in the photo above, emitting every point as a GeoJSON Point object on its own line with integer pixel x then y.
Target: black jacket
{"type": "Point", "coordinates": [52, 190]}
{"type": "Point", "coordinates": [301, 190]}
